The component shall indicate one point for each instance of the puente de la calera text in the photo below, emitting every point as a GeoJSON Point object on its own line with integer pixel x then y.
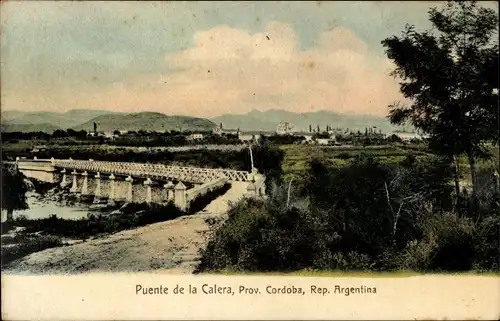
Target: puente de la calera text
{"type": "Point", "coordinates": [138, 182]}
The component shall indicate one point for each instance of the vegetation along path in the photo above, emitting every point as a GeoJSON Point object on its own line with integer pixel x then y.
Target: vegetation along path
{"type": "Point", "coordinates": [170, 246]}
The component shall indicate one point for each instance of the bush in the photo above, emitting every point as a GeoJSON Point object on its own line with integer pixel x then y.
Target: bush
{"type": "Point", "coordinates": [446, 245]}
{"type": "Point", "coordinates": [134, 215]}
{"type": "Point", "coordinates": [41, 187]}
{"type": "Point", "coordinates": [344, 155]}
{"type": "Point", "coordinates": [487, 244]}
{"type": "Point", "coordinates": [259, 237]}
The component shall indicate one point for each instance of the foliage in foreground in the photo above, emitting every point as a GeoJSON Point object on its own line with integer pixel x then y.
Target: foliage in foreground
{"type": "Point", "coordinates": [368, 216]}
{"type": "Point", "coordinates": [449, 76]}
{"type": "Point", "coordinates": [13, 190]}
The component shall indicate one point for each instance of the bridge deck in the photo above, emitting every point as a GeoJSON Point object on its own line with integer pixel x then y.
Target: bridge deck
{"type": "Point", "coordinates": [154, 171]}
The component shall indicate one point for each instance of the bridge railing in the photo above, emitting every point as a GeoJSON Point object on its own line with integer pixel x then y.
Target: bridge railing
{"type": "Point", "coordinates": [158, 171]}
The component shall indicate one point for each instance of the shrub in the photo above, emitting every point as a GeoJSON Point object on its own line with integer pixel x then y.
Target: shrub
{"type": "Point", "coordinates": [259, 237]}
{"type": "Point", "coordinates": [447, 244]}
{"type": "Point", "coordinates": [487, 244]}
{"type": "Point", "coordinates": [41, 187]}
{"type": "Point", "coordinates": [344, 219]}
{"type": "Point", "coordinates": [344, 155]}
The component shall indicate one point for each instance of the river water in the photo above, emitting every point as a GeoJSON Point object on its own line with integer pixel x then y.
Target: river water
{"type": "Point", "coordinates": [39, 208]}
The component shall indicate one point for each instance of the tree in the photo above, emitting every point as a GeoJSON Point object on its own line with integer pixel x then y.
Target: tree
{"type": "Point", "coordinates": [13, 190]}
{"type": "Point", "coordinates": [71, 132]}
{"type": "Point", "coordinates": [59, 133]}
{"type": "Point", "coordinates": [448, 78]}
{"type": "Point", "coordinates": [268, 160]}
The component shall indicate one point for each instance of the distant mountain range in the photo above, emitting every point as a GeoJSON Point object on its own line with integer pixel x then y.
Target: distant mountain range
{"type": "Point", "coordinates": [268, 121]}
{"type": "Point", "coordinates": [83, 119]}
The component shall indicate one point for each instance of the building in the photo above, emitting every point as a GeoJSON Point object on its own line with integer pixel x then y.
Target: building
{"type": "Point", "coordinates": [323, 141]}
{"type": "Point", "coordinates": [218, 131]}
{"type": "Point", "coordinates": [195, 137]}
{"type": "Point", "coordinates": [284, 128]}
{"type": "Point", "coordinates": [39, 148]}
{"type": "Point", "coordinates": [249, 137]}
{"type": "Point", "coordinates": [109, 134]}
{"type": "Point", "coordinates": [406, 136]}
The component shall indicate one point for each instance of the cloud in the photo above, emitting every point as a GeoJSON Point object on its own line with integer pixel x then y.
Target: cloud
{"type": "Point", "coordinates": [230, 70]}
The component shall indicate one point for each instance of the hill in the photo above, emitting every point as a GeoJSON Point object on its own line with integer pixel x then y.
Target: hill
{"type": "Point", "coordinates": [268, 120]}
{"type": "Point", "coordinates": [46, 128]}
{"type": "Point", "coordinates": [64, 120]}
{"type": "Point", "coordinates": [146, 121]}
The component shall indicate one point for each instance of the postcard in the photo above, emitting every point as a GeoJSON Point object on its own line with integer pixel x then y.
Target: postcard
{"type": "Point", "coordinates": [250, 160]}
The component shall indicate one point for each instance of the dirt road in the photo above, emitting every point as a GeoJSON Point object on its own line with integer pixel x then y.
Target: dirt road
{"type": "Point", "coordinates": [166, 247]}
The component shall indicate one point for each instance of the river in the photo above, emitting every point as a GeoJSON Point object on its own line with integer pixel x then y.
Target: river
{"type": "Point", "coordinates": [40, 208]}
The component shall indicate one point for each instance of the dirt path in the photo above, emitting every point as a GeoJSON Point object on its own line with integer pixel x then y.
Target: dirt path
{"type": "Point", "coordinates": [170, 247]}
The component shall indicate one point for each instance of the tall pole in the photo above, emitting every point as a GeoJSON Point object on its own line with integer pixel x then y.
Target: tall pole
{"type": "Point", "coordinates": [288, 196]}
{"type": "Point", "coordinates": [495, 92]}
{"type": "Point", "coordinates": [251, 156]}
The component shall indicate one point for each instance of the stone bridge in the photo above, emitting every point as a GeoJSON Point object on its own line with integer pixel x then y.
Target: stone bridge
{"type": "Point", "coordinates": [161, 183]}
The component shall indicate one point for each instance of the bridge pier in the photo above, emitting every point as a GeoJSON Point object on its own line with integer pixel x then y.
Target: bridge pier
{"type": "Point", "coordinates": [85, 188]}
{"type": "Point", "coordinates": [170, 191]}
{"type": "Point", "coordinates": [74, 186]}
{"type": "Point", "coordinates": [180, 196]}
{"type": "Point", "coordinates": [130, 181]}
{"type": "Point", "coordinates": [63, 181]}
{"type": "Point", "coordinates": [251, 190]}
{"type": "Point", "coordinates": [148, 183]}
{"type": "Point", "coordinates": [97, 193]}
{"type": "Point", "coordinates": [111, 197]}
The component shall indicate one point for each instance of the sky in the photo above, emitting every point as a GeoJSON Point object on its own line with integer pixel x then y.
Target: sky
{"type": "Point", "coordinates": [202, 58]}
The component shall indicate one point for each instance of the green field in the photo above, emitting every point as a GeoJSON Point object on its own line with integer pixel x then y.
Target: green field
{"type": "Point", "coordinates": [298, 156]}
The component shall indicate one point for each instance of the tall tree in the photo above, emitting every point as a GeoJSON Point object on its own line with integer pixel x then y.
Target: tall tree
{"type": "Point", "coordinates": [13, 190]}
{"type": "Point", "coordinates": [448, 77]}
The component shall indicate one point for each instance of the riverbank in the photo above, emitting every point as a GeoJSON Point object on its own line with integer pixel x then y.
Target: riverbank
{"type": "Point", "coordinates": [130, 238]}
{"type": "Point", "coordinates": [172, 245]}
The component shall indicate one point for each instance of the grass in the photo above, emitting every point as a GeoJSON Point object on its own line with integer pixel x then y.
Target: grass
{"type": "Point", "coordinates": [354, 274]}
{"type": "Point", "coordinates": [25, 244]}
{"type": "Point", "coordinates": [298, 156]}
